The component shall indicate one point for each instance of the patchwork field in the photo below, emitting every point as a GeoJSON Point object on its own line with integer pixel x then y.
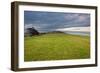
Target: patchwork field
{"type": "Point", "coordinates": [56, 46]}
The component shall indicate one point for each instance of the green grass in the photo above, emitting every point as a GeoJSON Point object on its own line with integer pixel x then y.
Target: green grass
{"type": "Point", "coordinates": [58, 46]}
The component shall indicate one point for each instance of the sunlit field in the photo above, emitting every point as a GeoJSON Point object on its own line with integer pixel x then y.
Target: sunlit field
{"type": "Point", "coordinates": [56, 46]}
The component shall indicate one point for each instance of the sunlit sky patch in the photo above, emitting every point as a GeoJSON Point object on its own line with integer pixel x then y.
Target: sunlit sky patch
{"type": "Point", "coordinates": [51, 21]}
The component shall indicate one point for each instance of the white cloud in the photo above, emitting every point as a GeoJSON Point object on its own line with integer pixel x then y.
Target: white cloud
{"type": "Point", "coordinates": [76, 29]}
{"type": "Point", "coordinates": [36, 26]}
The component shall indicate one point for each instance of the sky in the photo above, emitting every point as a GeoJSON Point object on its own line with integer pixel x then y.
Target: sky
{"type": "Point", "coordinates": [51, 21]}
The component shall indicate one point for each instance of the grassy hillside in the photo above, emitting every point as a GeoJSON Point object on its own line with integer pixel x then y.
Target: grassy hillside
{"type": "Point", "coordinates": [58, 46]}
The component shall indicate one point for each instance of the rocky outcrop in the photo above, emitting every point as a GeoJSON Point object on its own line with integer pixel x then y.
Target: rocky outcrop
{"type": "Point", "coordinates": [31, 32]}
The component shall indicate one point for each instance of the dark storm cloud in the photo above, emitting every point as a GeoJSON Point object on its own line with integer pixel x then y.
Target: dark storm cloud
{"type": "Point", "coordinates": [48, 21]}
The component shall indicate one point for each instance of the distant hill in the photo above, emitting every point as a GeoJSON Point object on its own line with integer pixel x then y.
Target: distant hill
{"type": "Point", "coordinates": [55, 32]}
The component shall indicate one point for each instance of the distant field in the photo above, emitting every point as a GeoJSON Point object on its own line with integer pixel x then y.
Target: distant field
{"type": "Point", "coordinates": [56, 46]}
